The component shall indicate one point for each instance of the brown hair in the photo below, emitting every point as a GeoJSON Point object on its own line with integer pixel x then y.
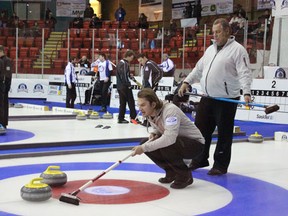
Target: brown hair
{"type": "Point", "coordinates": [150, 95]}
{"type": "Point", "coordinates": [129, 53]}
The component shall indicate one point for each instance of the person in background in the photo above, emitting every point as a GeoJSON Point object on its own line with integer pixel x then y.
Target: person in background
{"type": "Point", "coordinates": [223, 71]}
{"type": "Point", "coordinates": [120, 13]}
{"type": "Point", "coordinates": [5, 84]}
{"type": "Point", "coordinates": [88, 12]}
{"type": "Point", "coordinates": [124, 88]}
{"type": "Point", "coordinates": [143, 22]}
{"type": "Point", "coordinates": [151, 73]}
{"type": "Point", "coordinates": [95, 22]}
{"type": "Point", "coordinates": [172, 139]}
{"type": "Point", "coordinates": [84, 62]}
{"type": "Point", "coordinates": [104, 72]}
{"type": "Point", "coordinates": [50, 22]}
{"type": "Point", "coordinates": [70, 83]}
{"type": "Point", "coordinates": [188, 10]}
{"type": "Point", "coordinates": [173, 28]}
{"type": "Point", "coordinates": [78, 22]}
{"type": "Point", "coordinates": [167, 66]}
{"type": "Point", "coordinates": [197, 11]}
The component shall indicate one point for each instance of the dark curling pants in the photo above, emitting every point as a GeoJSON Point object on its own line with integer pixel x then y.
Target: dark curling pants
{"type": "Point", "coordinates": [171, 157]}
{"type": "Point", "coordinates": [70, 96]}
{"type": "Point", "coordinates": [126, 96]}
{"type": "Point", "coordinates": [212, 113]}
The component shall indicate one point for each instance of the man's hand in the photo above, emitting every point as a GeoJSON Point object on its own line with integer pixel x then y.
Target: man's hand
{"type": "Point", "coordinates": [183, 89]}
{"type": "Point", "coordinates": [70, 86]}
{"type": "Point", "coordinates": [247, 98]}
{"type": "Point", "coordinates": [106, 80]}
{"type": "Point", "coordinates": [138, 150]}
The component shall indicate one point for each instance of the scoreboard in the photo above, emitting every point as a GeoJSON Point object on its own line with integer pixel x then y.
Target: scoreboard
{"type": "Point", "coordinates": [267, 92]}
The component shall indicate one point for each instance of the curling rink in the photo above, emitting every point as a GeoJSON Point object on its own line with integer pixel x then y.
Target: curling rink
{"type": "Point", "coordinates": [256, 182]}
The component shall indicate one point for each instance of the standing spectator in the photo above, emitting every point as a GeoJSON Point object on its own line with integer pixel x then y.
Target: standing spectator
{"type": "Point", "coordinates": [47, 12]}
{"type": "Point", "coordinates": [120, 13]}
{"type": "Point", "coordinates": [5, 84]}
{"type": "Point", "coordinates": [197, 11]}
{"type": "Point", "coordinates": [188, 10]}
{"type": "Point", "coordinates": [78, 22]}
{"type": "Point", "coordinates": [3, 19]}
{"type": "Point", "coordinates": [50, 22]}
{"type": "Point", "coordinates": [104, 73]}
{"type": "Point", "coordinates": [172, 139]}
{"type": "Point", "coordinates": [173, 28]}
{"type": "Point", "coordinates": [150, 72]}
{"type": "Point", "coordinates": [167, 66]}
{"type": "Point", "coordinates": [124, 88]}
{"type": "Point", "coordinates": [70, 83]}
{"type": "Point", "coordinates": [88, 12]}
{"type": "Point", "coordinates": [222, 71]}
{"type": "Point", "coordinates": [143, 23]}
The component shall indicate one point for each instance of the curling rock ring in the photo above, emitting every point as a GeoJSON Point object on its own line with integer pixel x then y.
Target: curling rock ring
{"type": "Point", "coordinates": [255, 138]}
{"type": "Point", "coordinates": [107, 115]}
{"type": "Point", "coordinates": [36, 191]}
{"type": "Point", "coordinates": [81, 116]}
{"type": "Point", "coordinates": [94, 115]}
{"type": "Point", "coordinates": [53, 176]}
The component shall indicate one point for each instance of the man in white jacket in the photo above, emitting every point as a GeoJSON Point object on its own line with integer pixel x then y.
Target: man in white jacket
{"type": "Point", "coordinates": [173, 138]}
{"type": "Point", "coordinates": [223, 71]}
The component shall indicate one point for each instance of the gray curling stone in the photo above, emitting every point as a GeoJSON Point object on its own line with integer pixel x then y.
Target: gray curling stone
{"type": "Point", "coordinates": [53, 176]}
{"type": "Point", "coordinates": [94, 115]}
{"type": "Point", "coordinates": [255, 138]}
{"type": "Point", "coordinates": [81, 116]}
{"type": "Point", "coordinates": [2, 130]}
{"type": "Point", "coordinates": [36, 191]}
{"type": "Point", "coordinates": [17, 105]}
{"type": "Point", "coordinates": [107, 115]}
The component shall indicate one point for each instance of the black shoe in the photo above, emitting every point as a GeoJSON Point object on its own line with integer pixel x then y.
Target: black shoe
{"type": "Point", "coordinates": [123, 121]}
{"type": "Point", "coordinates": [181, 182]}
{"type": "Point", "coordinates": [193, 166]}
{"type": "Point", "coordinates": [166, 180]}
{"type": "Point", "coordinates": [216, 172]}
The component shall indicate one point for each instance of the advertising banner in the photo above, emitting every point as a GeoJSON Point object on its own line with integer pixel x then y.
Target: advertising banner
{"type": "Point", "coordinates": [29, 88]}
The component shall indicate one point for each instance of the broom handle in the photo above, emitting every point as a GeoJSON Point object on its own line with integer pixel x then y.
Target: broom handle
{"type": "Point", "coordinates": [104, 172]}
{"type": "Point", "coordinates": [229, 100]}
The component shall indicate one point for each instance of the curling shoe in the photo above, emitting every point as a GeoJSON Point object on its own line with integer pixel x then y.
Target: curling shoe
{"type": "Point", "coordinates": [169, 177]}
{"type": "Point", "coordinates": [122, 121]}
{"type": "Point", "coordinates": [182, 182]}
{"type": "Point", "coordinates": [216, 172]}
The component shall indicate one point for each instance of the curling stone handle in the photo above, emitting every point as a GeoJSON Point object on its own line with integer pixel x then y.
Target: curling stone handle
{"type": "Point", "coordinates": [53, 167]}
{"type": "Point", "coordinates": [39, 179]}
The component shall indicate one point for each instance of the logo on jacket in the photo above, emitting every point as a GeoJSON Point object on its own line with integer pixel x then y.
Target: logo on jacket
{"type": "Point", "coordinates": [22, 87]}
{"type": "Point", "coordinates": [171, 121]}
{"type": "Point", "coordinates": [38, 88]}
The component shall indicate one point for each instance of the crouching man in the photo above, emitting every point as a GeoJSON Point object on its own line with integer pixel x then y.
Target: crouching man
{"type": "Point", "coordinates": [173, 138]}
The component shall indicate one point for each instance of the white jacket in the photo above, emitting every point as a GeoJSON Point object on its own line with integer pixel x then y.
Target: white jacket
{"type": "Point", "coordinates": [223, 73]}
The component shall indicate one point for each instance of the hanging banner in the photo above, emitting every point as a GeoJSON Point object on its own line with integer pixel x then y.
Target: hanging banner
{"type": "Point", "coordinates": [209, 7]}
{"type": "Point", "coordinates": [70, 8]}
